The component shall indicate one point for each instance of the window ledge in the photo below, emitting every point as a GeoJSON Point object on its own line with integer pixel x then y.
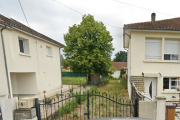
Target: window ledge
{"type": "Point", "coordinates": [170, 92]}
{"type": "Point", "coordinates": [23, 54]}
{"type": "Point", "coordinates": [148, 61]}
{"type": "Point", "coordinates": [49, 56]}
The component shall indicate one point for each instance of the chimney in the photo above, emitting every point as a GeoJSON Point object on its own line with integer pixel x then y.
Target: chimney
{"type": "Point", "coordinates": [153, 17]}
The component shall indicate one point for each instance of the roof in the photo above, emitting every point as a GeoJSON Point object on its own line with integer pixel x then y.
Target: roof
{"type": "Point", "coordinates": [119, 65]}
{"type": "Point", "coordinates": [167, 24]}
{"type": "Point", "coordinates": [9, 22]}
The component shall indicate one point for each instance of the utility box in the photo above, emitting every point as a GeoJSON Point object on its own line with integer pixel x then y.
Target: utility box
{"type": "Point", "coordinates": [26, 103]}
{"type": "Point", "coordinates": [26, 113]}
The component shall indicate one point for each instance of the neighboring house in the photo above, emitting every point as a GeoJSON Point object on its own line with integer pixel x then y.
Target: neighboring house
{"type": "Point", "coordinates": [33, 62]}
{"type": "Point", "coordinates": [153, 57]}
{"type": "Point", "coordinates": [118, 66]}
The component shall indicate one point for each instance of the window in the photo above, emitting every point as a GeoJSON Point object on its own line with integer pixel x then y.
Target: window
{"type": "Point", "coordinates": [23, 46]}
{"type": "Point", "coordinates": [48, 51]}
{"type": "Point", "coordinates": [170, 83]}
{"type": "Point", "coordinates": [153, 49]}
{"type": "Point", "coordinates": [171, 50]}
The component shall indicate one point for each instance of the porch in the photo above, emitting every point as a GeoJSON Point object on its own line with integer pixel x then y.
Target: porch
{"type": "Point", "coordinates": [23, 84]}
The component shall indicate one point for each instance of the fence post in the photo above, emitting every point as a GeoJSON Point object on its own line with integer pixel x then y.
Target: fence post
{"type": "Point", "coordinates": [37, 106]}
{"type": "Point", "coordinates": [88, 105]}
{"type": "Point", "coordinates": [136, 107]}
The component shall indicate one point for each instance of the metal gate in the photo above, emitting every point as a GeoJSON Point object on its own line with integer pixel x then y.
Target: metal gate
{"type": "Point", "coordinates": [85, 106]}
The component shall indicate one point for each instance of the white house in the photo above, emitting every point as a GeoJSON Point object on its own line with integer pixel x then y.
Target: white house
{"type": "Point", "coordinates": [30, 63]}
{"type": "Point", "coordinates": [153, 57]}
{"type": "Point", "coordinates": [118, 66]}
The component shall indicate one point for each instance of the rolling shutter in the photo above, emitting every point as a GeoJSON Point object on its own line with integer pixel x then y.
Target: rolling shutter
{"type": "Point", "coordinates": [153, 49]}
{"type": "Point", "coordinates": [171, 47]}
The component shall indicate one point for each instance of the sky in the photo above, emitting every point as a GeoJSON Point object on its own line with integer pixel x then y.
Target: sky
{"type": "Point", "coordinates": [54, 17]}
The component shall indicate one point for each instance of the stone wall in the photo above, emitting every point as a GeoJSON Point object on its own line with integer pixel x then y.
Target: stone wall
{"type": "Point", "coordinates": [139, 82]}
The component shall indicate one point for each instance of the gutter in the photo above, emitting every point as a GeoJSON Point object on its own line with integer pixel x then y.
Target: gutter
{"type": "Point", "coordinates": [5, 61]}
{"type": "Point", "coordinates": [151, 29]}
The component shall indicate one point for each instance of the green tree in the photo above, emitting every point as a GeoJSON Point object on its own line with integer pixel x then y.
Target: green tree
{"type": "Point", "coordinates": [88, 47]}
{"type": "Point", "coordinates": [120, 56]}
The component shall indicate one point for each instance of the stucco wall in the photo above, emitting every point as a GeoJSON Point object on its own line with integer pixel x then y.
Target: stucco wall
{"type": "Point", "coordinates": [47, 69]}
{"type": "Point", "coordinates": [8, 106]}
{"type": "Point", "coordinates": [139, 65]}
{"type": "Point", "coordinates": [24, 83]}
{"type": "Point", "coordinates": [147, 109]}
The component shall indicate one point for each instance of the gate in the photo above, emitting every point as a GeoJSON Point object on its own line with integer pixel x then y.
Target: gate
{"type": "Point", "coordinates": [172, 110]}
{"type": "Point", "coordinates": [85, 106]}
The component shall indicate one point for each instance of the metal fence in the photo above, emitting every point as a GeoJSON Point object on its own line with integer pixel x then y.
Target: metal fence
{"type": "Point", "coordinates": [172, 110]}
{"type": "Point", "coordinates": [86, 105]}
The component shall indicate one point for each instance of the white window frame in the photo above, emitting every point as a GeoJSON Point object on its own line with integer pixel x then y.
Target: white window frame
{"type": "Point", "coordinates": [25, 46]}
{"type": "Point", "coordinates": [49, 51]}
{"type": "Point", "coordinates": [170, 80]}
{"type": "Point", "coordinates": [170, 51]}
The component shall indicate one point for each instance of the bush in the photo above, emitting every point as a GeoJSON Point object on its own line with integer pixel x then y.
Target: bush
{"type": "Point", "coordinates": [75, 114]}
{"type": "Point", "coordinates": [48, 100]}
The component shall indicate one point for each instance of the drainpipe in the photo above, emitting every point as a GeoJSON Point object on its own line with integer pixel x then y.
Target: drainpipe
{"type": "Point", "coordinates": [5, 62]}
{"type": "Point", "coordinates": [60, 66]}
{"type": "Point", "coordinates": [124, 33]}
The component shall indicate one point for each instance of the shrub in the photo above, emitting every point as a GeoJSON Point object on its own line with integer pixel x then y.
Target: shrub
{"type": "Point", "coordinates": [48, 100]}
{"type": "Point", "coordinates": [75, 114]}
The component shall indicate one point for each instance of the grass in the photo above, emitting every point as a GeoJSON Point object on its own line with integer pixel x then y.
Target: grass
{"type": "Point", "coordinates": [114, 87]}
{"type": "Point", "coordinates": [73, 80]}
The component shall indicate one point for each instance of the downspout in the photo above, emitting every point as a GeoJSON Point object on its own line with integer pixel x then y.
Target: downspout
{"type": "Point", "coordinates": [60, 66]}
{"type": "Point", "coordinates": [5, 62]}
{"type": "Point", "coordinates": [124, 33]}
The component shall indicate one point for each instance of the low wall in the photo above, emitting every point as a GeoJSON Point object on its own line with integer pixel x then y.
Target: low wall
{"type": "Point", "coordinates": [147, 109]}
{"type": "Point", "coordinates": [8, 106]}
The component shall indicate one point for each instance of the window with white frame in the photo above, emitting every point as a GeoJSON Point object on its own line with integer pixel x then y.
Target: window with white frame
{"type": "Point", "coordinates": [153, 49]}
{"type": "Point", "coordinates": [23, 46]}
{"type": "Point", "coordinates": [170, 83]}
{"type": "Point", "coordinates": [171, 49]}
{"type": "Point", "coordinates": [48, 51]}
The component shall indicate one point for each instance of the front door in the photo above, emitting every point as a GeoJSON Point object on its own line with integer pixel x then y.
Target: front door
{"type": "Point", "coordinates": [151, 87]}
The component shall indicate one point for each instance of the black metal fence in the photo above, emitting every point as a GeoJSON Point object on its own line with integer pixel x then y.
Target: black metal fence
{"type": "Point", "coordinates": [172, 110]}
{"type": "Point", "coordinates": [86, 105]}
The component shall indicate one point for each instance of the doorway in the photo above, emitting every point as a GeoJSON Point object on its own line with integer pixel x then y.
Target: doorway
{"type": "Point", "coordinates": [151, 87]}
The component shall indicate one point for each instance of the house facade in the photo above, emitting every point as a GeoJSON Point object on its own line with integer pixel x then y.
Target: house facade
{"type": "Point", "coordinates": [29, 60]}
{"type": "Point", "coordinates": [118, 66]}
{"type": "Point", "coordinates": [153, 57]}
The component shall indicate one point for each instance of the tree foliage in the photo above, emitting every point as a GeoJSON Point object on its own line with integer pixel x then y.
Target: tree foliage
{"type": "Point", "coordinates": [120, 56]}
{"type": "Point", "coordinates": [88, 47]}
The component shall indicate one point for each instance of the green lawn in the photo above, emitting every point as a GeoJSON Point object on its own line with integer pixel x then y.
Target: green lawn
{"type": "Point", "coordinates": [73, 80]}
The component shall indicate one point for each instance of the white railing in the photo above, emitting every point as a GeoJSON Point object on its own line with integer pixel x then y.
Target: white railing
{"type": "Point", "coordinates": [141, 94]}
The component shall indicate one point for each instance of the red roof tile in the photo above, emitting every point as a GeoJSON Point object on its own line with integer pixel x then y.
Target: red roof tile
{"type": "Point", "coordinates": [15, 24]}
{"type": "Point", "coordinates": [167, 24]}
{"type": "Point", "coordinates": [119, 65]}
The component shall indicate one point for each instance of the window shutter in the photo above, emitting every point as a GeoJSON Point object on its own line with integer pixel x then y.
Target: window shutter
{"type": "Point", "coordinates": [171, 47]}
{"type": "Point", "coordinates": [153, 49]}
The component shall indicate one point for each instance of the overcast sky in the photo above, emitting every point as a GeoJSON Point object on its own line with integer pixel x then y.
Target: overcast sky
{"type": "Point", "coordinates": [53, 19]}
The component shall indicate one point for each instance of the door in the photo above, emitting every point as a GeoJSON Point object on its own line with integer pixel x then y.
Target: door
{"type": "Point", "coordinates": [151, 87]}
